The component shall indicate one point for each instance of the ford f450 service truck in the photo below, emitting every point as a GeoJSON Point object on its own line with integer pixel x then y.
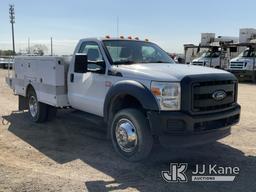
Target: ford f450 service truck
{"type": "Point", "coordinates": [136, 88]}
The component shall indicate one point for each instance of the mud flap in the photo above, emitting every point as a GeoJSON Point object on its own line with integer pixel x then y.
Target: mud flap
{"type": "Point", "coordinates": [23, 103]}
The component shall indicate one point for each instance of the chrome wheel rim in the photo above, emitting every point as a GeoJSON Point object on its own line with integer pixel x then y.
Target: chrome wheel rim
{"type": "Point", "coordinates": [33, 106]}
{"type": "Point", "coordinates": [126, 135]}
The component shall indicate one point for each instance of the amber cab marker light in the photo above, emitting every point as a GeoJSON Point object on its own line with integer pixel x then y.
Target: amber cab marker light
{"type": "Point", "coordinates": [121, 37]}
{"type": "Point", "coordinates": [146, 40]}
{"type": "Point", "coordinates": [107, 37]}
{"type": "Point", "coordinates": [137, 38]}
{"type": "Point", "coordinates": [156, 91]}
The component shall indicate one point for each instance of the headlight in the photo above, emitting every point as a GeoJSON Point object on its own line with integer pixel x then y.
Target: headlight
{"type": "Point", "coordinates": [167, 94]}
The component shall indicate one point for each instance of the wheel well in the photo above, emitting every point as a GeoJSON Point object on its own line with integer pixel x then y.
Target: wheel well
{"type": "Point", "coordinates": [122, 102]}
{"type": "Point", "coordinates": [29, 88]}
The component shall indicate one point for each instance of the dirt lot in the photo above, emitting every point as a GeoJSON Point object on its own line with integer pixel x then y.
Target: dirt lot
{"type": "Point", "coordinates": [72, 154]}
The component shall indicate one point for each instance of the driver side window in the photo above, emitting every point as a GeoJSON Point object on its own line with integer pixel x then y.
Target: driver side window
{"type": "Point", "coordinates": [148, 53]}
{"type": "Point", "coordinates": [94, 56]}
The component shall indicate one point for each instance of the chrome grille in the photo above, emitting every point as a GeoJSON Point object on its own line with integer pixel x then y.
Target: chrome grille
{"type": "Point", "coordinates": [237, 65]}
{"type": "Point", "coordinates": [202, 96]}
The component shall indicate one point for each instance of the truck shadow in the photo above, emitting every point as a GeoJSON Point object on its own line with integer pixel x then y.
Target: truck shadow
{"type": "Point", "coordinates": [70, 137]}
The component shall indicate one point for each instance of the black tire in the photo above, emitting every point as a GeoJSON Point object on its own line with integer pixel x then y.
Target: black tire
{"type": "Point", "coordinates": [144, 137]}
{"type": "Point", "coordinates": [40, 115]}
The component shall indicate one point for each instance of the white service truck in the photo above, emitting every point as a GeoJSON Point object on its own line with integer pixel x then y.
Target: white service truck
{"type": "Point", "coordinates": [244, 65]}
{"type": "Point", "coordinates": [215, 53]}
{"type": "Point", "coordinates": [213, 57]}
{"type": "Point", "coordinates": [137, 90]}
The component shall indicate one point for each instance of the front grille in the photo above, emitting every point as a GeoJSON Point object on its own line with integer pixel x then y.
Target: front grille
{"type": "Point", "coordinates": [236, 65]}
{"type": "Point", "coordinates": [202, 95]}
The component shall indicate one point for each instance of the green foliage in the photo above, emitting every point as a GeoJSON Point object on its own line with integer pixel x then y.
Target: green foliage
{"type": "Point", "coordinates": [6, 52]}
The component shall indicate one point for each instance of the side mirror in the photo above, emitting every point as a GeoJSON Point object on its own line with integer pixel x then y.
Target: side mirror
{"type": "Point", "coordinates": [81, 63]}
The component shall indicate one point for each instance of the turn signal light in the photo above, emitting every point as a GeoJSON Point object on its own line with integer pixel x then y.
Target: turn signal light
{"type": "Point", "coordinates": [156, 91]}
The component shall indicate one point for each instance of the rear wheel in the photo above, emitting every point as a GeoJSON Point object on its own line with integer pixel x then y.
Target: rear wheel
{"type": "Point", "coordinates": [130, 135]}
{"type": "Point", "coordinates": [38, 111]}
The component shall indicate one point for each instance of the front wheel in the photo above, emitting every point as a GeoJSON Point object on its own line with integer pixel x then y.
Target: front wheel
{"type": "Point", "coordinates": [130, 135]}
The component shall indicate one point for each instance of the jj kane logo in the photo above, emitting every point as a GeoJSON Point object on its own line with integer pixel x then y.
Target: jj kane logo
{"type": "Point", "coordinates": [178, 173]}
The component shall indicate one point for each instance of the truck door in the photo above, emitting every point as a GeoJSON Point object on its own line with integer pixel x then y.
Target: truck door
{"type": "Point", "coordinates": [87, 89]}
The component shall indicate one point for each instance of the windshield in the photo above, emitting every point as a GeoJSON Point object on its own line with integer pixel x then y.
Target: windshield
{"type": "Point", "coordinates": [211, 54]}
{"type": "Point", "coordinates": [130, 52]}
{"type": "Point", "coordinates": [248, 53]}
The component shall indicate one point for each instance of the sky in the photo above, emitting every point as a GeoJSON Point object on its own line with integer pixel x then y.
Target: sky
{"type": "Point", "coordinates": [168, 23]}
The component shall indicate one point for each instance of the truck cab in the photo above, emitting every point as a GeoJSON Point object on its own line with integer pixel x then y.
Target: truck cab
{"type": "Point", "coordinates": [244, 61]}
{"type": "Point", "coordinates": [215, 52]}
{"type": "Point", "coordinates": [212, 58]}
{"type": "Point", "coordinates": [244, 66]}
{"type": "Point", "coordinates": [134, 87]}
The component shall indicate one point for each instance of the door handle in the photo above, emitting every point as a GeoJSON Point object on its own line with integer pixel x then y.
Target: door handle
{"type": "Point", "coordinates": [72, 77]}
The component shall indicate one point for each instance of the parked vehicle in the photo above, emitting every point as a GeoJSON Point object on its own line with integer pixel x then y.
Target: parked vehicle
{"type": "Point", "coordinates": [215, 53]}
{"type": "Point", "coordinates": [244, 66]}
{"type": "Point", "coordinates": [136, 89]}
{"type": "Point", "coordinates": [213, 57]}
{"type": "Point", "coordinates": [5, 62]}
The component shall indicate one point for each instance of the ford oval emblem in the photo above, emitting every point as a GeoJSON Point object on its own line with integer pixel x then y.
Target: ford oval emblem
{"type": "Point", "coordinates": [219, 95]}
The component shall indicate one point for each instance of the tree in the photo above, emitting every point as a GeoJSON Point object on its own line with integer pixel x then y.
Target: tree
{"type": "Point", "coordinates": [6, 52]}
{"type": "Point", "coordinates": [39, 49]}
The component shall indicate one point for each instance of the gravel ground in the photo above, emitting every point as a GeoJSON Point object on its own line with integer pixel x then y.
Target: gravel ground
{"type": "Point", "coordinates": [71, 153]}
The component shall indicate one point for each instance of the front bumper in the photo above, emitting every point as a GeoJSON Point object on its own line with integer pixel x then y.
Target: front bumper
{"type": "Point", "coordinates": [179, 129]}
{"type": "Point", "coordinates": [244, 75]}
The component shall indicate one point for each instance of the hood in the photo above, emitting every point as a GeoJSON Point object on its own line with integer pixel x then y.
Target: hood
{"type": "Point", "coordinates": [240, 59]}
{"type": "Point", "coordinates": [202, 59]}
{"type": "Point", "coordinates": [163, 71]}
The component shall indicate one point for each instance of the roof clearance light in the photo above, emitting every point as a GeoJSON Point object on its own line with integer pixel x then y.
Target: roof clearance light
{"type": "Point", "coordinates": [137, 38]}
{"type": "Point", "coordinates": [121, 37]}
{"type": "Point", "coordinates": [146, 40]}
{"type": "Point", "coordinates": [107, 37]}
{"type": "Point", "coordinates": [130, 37]}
